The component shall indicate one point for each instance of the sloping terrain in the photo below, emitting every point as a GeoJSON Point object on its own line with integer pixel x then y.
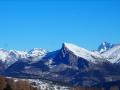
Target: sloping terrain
{"type": "Point", "coordinates": [71, 65]}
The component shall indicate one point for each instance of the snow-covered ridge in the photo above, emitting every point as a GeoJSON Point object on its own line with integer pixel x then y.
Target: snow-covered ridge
{"type": "Point", "coordinates": [81, 52]}
{"type": "Point", "coordinates": [109, 53]}
{"type": "Point", "coordinates": [113, 54]}
{"type": "Point", "coordinates": [37, 52]}
{"type": "Point", "coordinates": [114, 50]}
{"type": "Point", "coordinates": [10, 56]}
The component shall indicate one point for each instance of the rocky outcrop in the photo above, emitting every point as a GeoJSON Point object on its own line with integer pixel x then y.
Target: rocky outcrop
{"type": "Point", "coordinates": [67, 57]}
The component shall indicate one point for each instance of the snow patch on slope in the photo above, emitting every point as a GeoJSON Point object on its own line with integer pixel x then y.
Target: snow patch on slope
{"type": "Point", "coordinates": [8, 57]}
{"type": "Point", "coordinates": [81, 52]}
{"type": "Point", "coordinates": [3, 54]}
{"type": "Point", "coordinates": [37, 52]}
{"type": "Point", "coordinates": [112, 55]}
{"type": "Point", "coordinates": [42, 85]}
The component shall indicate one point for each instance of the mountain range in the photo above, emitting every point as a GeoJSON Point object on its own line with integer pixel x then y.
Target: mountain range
{"type": "Point", "coordinates": [70, 64]}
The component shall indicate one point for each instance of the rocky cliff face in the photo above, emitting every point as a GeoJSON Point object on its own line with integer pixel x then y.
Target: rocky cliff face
{"type": "Point", "coordinates": [67, 57]}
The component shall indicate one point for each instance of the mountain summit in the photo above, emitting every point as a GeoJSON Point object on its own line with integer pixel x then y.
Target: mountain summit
{"type": "Point", "coordinates": [81, 52]}
{"type": "Point", "coordinates": [70, 64]}
{"type": "Point", "coordinates": [104, 47]}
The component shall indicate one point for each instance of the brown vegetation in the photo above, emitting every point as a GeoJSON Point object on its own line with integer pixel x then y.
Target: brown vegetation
{"type": "Point", "coordinates": [10, 84]}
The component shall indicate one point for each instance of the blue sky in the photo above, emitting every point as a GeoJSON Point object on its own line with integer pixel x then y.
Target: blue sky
{"type": "Point", "coordinates": [25, 24]}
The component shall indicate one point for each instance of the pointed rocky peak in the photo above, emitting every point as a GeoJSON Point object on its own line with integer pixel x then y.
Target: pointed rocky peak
{"type": "Point", "coordinates": [75, 49]}
{"type": "Point", "coordinates": [78, 51]}
{"type": "Point", "coordinates": [104, 47]}
{"type": "Point", "coordinates": [14, 54]}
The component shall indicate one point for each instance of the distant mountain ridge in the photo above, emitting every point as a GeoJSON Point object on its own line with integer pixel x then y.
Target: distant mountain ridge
{"type": "Point", "coordinates": [71, 64]}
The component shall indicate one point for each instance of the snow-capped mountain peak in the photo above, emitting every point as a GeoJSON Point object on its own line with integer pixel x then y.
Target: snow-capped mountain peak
{"type": "Point", "coordinates": [37, 52]}
{"type": "Point", "coordinates": [22, 54]}
{"type": "Point", "coordinates": [3, 54]}
{"type": "Point", "coordinates": [113, 54]}
{"type": "Point", "coordinates": [81, 52]}
{"type": "Point", "coordinates": [75, 49]}
{"type": "Point", "coordinates": [7, 57]}
{"type": "Point", "coordinates": [104, 47]}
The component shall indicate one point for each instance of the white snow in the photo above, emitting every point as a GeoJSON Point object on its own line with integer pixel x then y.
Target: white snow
{"type": "Point", "coordinates": [3, 55]}
{"type": "Point", "coordinates": [11, 56]}
{"type": "Point", "coordinates": [42, 85]}
{"type": "Point", "coordinates": [6, 58]}
{"type": "Point", "coordinates": [102, 50]}
{"type": "Point", "coordinates": [37, 52]}
{"type": "Point", "coordinates": [22, 54]}
{"type": "Point", "coordinates": [104, 47]}
{"type": "Point", "coordinates": [47, 85]}
{"type": "Point", "coordinates": [49, 63]}
{"type": "Point", "coordinates": [112, 55]}
{"type": "Point", "coordinates": [81, 52]}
